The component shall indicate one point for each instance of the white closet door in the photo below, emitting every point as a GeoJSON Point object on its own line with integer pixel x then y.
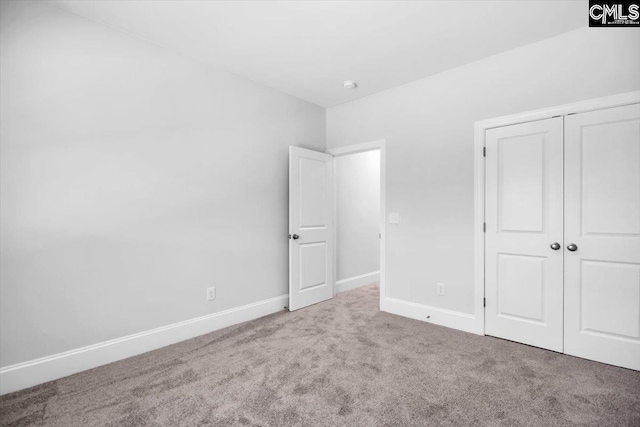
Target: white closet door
{"type": "Point", "coordinates": [602, 208]}
{"type": "Point", "coordinates": [523, 283]}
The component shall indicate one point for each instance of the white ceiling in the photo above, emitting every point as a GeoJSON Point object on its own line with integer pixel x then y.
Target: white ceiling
{"type": "Point", "coordinates": [307, 49]}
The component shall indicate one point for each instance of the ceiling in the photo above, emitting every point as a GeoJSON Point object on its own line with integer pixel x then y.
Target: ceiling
{"type": "Point", "coordinates": [308, 48]}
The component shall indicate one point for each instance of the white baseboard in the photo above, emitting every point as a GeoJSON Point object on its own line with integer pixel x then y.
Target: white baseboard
{"type": "Point", "coordinates": [27, 374]}
{"type": "Point", "coordinates": [438, 316]}
{"type": "Point", "coordinates": [357, 281]}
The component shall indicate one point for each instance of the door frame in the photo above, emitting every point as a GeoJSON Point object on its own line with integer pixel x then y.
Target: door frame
{"type": "Point", "coordinates": [354, 149]}
{"type": "Point", "coordinates": [480, 127]}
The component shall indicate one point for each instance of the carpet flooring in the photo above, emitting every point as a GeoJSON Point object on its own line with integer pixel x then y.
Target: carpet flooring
{"type": "Point", "coordinates": [338, 363]}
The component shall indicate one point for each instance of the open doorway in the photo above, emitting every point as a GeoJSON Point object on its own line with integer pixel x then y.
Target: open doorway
{"type": "Point", "coordinates": [359, 217]}
{"type": "Point", "coordinates": [313, 215]}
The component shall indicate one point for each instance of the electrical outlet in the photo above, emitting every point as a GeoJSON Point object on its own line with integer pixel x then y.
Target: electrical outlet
{"type": "Point", "coordinates": [440, 289]}
{"type": "Point", "coordinates": [211, 293]}
{"type": "Point", "coordinates": [394, 218]}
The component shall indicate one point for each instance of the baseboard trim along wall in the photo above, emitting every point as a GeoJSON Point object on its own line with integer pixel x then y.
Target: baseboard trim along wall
{"type": "Point", "coordinates": [357, 281]}
{"type": "Point", "coordinates": [27, 374]}
{"type": "Point", "coordinates": [438, 316]}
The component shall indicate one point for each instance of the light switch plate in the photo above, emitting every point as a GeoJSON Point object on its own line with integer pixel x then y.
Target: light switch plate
{"type": "Point", "coordinates": [394, 218]}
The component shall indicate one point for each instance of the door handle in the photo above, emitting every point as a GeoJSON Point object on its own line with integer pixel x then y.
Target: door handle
{"type": "Point", "coordinates": [294, 237]}
{"type": "Point", "coordinates": [572, 247]}
{"type": "Point", "coordinates": [555, 246]}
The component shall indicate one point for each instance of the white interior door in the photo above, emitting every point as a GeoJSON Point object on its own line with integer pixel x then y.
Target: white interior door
{"type": "Point", "coordinates": [310, 227]}
{"type": "Point", "coordinates": [523, 256]}
{"type": "Point", "coordinates": [602, 207]}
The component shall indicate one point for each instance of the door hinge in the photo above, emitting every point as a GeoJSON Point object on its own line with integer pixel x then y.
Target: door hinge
{"type": "Point", "coordinates": [484, 302]}
{"type": "Point", "coordinates": [484, 151]}
{"type": "Point", "coordinates": [380, 236]}
{"type": "Point", "coordinates": [484, 227]}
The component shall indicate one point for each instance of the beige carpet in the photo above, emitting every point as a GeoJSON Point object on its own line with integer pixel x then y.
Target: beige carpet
{"type": "Point", "coordinates": [337, 363]}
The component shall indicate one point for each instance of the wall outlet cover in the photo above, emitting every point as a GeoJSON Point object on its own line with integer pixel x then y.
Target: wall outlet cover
{"type": "Point", "coordinates": [211, 293]}
{"type": "Point", "coordinates": [394, 218]}
{"type": "Point", "coordinates": [440, 289]}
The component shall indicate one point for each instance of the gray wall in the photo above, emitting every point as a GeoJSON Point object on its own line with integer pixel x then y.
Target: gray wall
{"type": "Point", "coordinates": [357, 214]}
{"type": "Point", "coordinates": [428, 126]}
{"type": "Point", "coordinates": [132, 179]}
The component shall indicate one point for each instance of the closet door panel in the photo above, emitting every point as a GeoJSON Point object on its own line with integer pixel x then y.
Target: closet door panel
{"type": "Point", "coordinates": [602, 220]}
{"type": "Point", "coordinates": [524, 217]}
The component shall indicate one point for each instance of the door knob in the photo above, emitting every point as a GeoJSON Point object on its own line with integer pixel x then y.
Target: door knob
{"type": "Point", "coordinates": [555, 246]}
{"type": "Point", "coordinates": [295, 237]}
{"type": "Point", "coordinates": [572, 247]}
